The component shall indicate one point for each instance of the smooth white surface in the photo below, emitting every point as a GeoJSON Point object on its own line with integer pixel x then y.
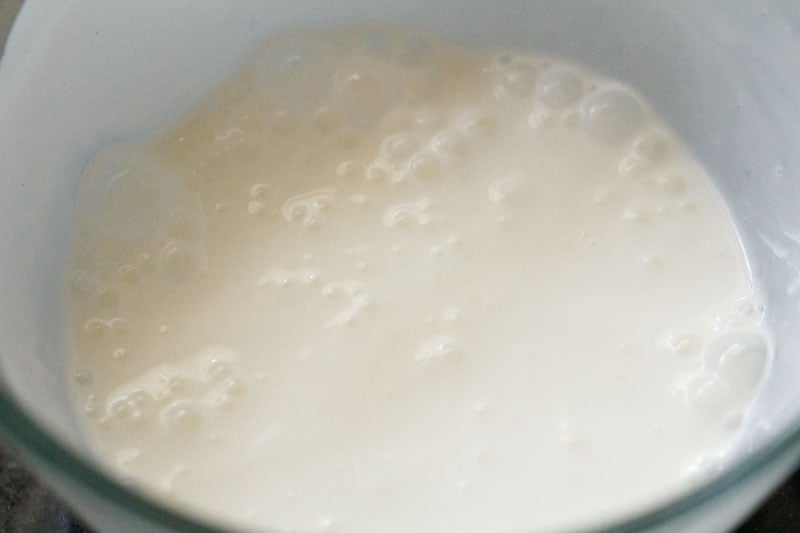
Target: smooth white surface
{"type": "Point", "coordinates": [711, 70]}
{"type": "Point", "coordinates": [378, 282]}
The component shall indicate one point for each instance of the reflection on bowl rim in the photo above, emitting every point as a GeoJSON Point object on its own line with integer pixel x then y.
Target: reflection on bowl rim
{"type": "Point", "coordinates": [41, 449]}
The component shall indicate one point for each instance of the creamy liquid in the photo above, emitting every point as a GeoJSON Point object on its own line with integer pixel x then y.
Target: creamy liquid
{"type": "Point", "coordinates": [378, 283]}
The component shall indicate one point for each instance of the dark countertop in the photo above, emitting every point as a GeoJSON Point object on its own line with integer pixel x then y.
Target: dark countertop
{"type": "Point", "coordinates": [781, 512]}
{"type": "Point", "coordinates": [27, 507]}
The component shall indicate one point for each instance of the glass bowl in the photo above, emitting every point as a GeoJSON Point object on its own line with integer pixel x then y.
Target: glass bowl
{"type": "Point", "coordinates": [78, 75]}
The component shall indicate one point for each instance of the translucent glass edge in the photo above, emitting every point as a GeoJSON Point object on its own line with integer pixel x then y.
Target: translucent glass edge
{"type": "Point", "coordinates": [36, 445]}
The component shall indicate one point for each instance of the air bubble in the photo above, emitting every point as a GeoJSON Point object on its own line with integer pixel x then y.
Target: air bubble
{"type": "Point", "coordinates": [364, 301]}
{"type": "Point", "coordinates": [146, 263]}
{"type": "Point", "coordinates": [127, 456]}
{"type": "Point", "coordinates": [359, 302]}
{"type": "Point", "coordinates": [217, 370]}
{"type": "Point", "coordinates": [118, 326]}
{"type": "Point", "coordinates": [712, 397]}
{"type": "Point", "coordinates": [278, 276]}
{"type": "Point", "coordinates": [126, 193]}
{"type": "Point", "coordinates": [632, 214]}
{"type": "Point", "coordinates": [448, 142]}
{"type": "Point", "coordinates": [255, 207]}
{"type": "Point", "coordinates": [133, 407]}
{"type": "Point", "coordinates": [632, 165]}
{"type": "Point", "coordinates": [326, 121]}
{"type": "Point", "coordinates": [223, 402]}
{"type": "Point", "coordinates": [611, 116]}
{"type": "Point", "coordinates": [451, 314]}
{"type": "Point", "coordinates": [308, 207]}
{"type": "Point", "coordinates": [358, 199]}
{"type": "Point", "coordinates": [348, 169]}
{"type": "Point", "coordinates": [480, 126]}
{"type": "Point", "coordinates": [258, 189]}
{"type": "Point", "coordinates": [94, 327]}
{"type": "Point", "coordinates": [91, 408]}
{"type": "Point", "coordinates": [428, 120]}
{"type": "Point", "coordinates": [425, 166]}
{"type": "Point", "coordinates": [398, 148]}
{"type": "Point", "coordinates": [743, 314]}
{"type": "Point", "coordinates": [181, 416]}
{"type": "Point", "coordinates": [672, 184]}
{"type": "Point", "coordinates": [560, 88]}
{"type": "Point", "coordinates": [733, 366]}
{"type": "Point", "coordinates": [685, 344]}
{"type": "Point", "coordinates": [441, 347]}
{"type": "Point", "coordinates": [234, 386]}
{"type": "Point", "coordinates": [650, 261]}
{"type": "Point", "coordinates": [225, 145]}
{"type": "Point", "coordinates": [81, 285]}
{"type": "Point", "coordinates": [178, 262]}
{"type": "Point", "coordinates": [454, 240]}
{"type": "Point", "coordinates": [403, 214]}
{"type": "Point", "coordinates": [128, 274]}
{"type": "Point", "coordinates": [739, 358]}
{"type": "Point", "coordinates": [517, 80]}
{"type": "Point", "coordinates": [107, 296]}
{"type": "Point", "coordinates": [652, 146]}
{"type": "Point", "coordinates": [118, 407]}
{"type": "Point", "coordinates": [82, 377]}
{"type": "Point", "coordinates": [172, 386]}
{"type": "Point", "coordinates": [378, 171]}
{"type": "Point", "coordinates": [507, 188]}
{"type": "Point", "coordinates": [119, 353]}
{"type": "Point", "coordinates": [331, 290]}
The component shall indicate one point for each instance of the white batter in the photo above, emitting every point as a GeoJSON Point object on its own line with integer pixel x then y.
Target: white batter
{"type": "Point", "coordinates": [378, 283]}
